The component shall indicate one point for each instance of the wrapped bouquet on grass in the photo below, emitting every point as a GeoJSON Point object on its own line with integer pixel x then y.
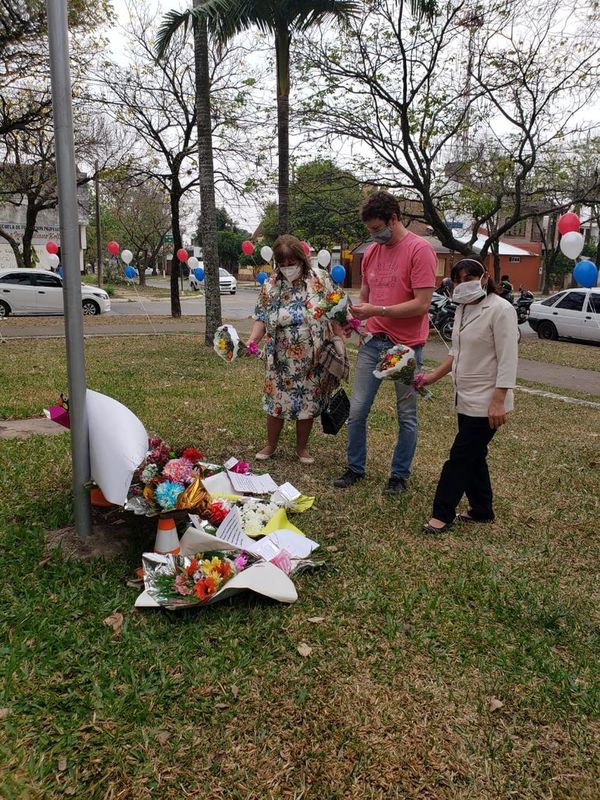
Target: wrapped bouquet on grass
{"type": "Point", "coordinates": [179, 581]}
{"type": "Point", "coordinates": [227, 344]}
{"type": "Point", "coordinates": [399, 364]}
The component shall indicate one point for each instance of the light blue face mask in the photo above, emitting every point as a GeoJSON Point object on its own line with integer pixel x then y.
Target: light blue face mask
{"type": "Point", "coordinates": [383, 236]}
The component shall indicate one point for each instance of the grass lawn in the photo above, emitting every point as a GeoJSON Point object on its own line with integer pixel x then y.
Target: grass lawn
{"type": "Point", "coordinates": [459, 667]}
{"type": "Point", "coordinates": [566, 354]}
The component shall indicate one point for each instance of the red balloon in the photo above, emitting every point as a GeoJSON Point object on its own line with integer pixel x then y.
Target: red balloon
{"type": "Point", "coordinates": [51, 247]}
{"type": "Point", "coordinates": [247, 247]}
{"type": "Point", "coordinates": [113, 248]}
{"type": "Point", "coordinates": [182, 254]}
{"type": "Point", "coordinates": [568, 222]}
{"type": "Point", "coordinates": [305, 247]}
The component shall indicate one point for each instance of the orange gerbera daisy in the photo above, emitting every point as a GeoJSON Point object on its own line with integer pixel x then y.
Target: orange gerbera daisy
{"type": "Point", "coordinates": [205, 588]}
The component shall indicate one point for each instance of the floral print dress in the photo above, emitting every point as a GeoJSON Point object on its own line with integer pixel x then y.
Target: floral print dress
{"type": "Point", "coordinates": [294, 379]}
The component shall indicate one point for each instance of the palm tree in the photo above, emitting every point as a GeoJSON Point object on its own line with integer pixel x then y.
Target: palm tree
{"type": "Point", "coordinates": [282, 18]}
{"type": "Point", "coordinates": [172, 21]}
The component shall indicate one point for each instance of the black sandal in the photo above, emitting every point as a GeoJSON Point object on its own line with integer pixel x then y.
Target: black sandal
{"type": "Point", "coordinates": [427, 528]}
{"type": "Point", "coordinates": [468, 519]}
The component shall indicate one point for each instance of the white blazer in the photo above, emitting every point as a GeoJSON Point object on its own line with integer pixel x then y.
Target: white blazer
{"type": "Point", "coordinates": [485, 351]}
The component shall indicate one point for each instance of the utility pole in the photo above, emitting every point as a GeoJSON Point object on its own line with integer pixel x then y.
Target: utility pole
{"type": "Point", "coordinates": [98, 226]}
{"type": "Point", "coordinates": [62, 110]}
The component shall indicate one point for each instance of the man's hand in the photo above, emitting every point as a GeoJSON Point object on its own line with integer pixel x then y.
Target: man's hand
{"type": "Point", "coordinates": [364, 310]}
{"type": "Point", "coordinates": [496, 413]}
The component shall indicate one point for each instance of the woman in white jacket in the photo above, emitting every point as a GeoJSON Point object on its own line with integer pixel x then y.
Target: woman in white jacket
{"type": "Point", "coordinates": [483, 362]}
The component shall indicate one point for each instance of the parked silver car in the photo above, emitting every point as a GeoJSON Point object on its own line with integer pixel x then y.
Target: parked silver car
{"type": "Point", "coordinates": [40, 292]}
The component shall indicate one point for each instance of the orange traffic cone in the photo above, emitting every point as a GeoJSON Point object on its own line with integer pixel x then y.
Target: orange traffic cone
{"type": "Point", "coordinates": [98, 500]}
{"type": "Point", "coordinates": [167, 540]}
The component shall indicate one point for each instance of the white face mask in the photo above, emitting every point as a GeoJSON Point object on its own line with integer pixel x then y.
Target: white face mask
{"type": "Point", "coordinates": [291, 273]}
{"type": "Point", "coordinates": [468, 292]}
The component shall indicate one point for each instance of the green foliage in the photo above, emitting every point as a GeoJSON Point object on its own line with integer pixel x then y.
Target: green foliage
{"type": "Point", "coordinates": [324, 204]}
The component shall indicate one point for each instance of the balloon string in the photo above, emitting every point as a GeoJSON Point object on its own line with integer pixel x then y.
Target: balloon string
{"type": "Point", "coordinates": [139, 297]}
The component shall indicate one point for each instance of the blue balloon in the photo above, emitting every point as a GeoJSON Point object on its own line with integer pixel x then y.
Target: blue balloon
{"type": "Point", "coordinates": [586, 274]}
{"type": "Point", "coordinates": [60, 271]}
{"type": "Point", "coordinates": [261, 277]}
{"type": "Point", "coordinates": [338, 273]}
{"type": "Point", "coordinates": [199, 274]}
{"type": "Point", "coordinates": [129, 273]}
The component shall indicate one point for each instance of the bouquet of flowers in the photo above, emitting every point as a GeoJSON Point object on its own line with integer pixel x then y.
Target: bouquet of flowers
{"type": "Point", "coordinates": [399, 364]}
{"type": "Point", "coordinates": [177, 581]}
{"type": "Point", "coordinates": [226, 343]}
{"type": "Point", "coordinates": [168, 479]}
{"type": "Point", "coordinates": [255, 514]}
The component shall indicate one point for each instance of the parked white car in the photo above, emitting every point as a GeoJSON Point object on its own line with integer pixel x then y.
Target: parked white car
{"type": "Point", "coordinates": [38, 291]}
{"type": "Point", "coordinates": [572, 314]}
{"type": "Point", "coordinates": [227, 282]}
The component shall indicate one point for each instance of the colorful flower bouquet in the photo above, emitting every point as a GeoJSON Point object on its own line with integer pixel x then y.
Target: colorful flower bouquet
{"type": "Point", "coordinates": [168, 480]}
{"type": "Point", "coordinates": [226, 343]}
{"type": "Point", "coordinates": [399, 364]}
{"type": "Point", "coordinates": [179, 581]}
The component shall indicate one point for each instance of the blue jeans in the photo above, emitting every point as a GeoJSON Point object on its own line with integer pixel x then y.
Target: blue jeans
{"type": "Point", "coordinates": [364, 389]}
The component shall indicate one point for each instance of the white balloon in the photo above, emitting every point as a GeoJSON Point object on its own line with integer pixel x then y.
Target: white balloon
{"type": "Point", "coordinates": [323, 258]}
{"type": "Point", "coordinates": [192, 262]}
{"type": "Point", "coordinates": [53, 260]}
{"type": "Point", "coordinates": [571, 244]}
{"type": "Point", "coordinates": [127, 256]}
{"type": "Point", "coordinates": [266, 253]}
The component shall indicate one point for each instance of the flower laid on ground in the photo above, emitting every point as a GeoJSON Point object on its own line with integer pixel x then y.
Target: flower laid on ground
{"type": "Point", "coordinates": [255, 514]}
{"type": "Point", "coordinates": [164, 475]}
{"type": "Point", "coordinates": [180, 470]}
{"type": "Point", "coordinates": [226, 342]}
{"type": "Point", "coordinates": [399, 364]}
{"type": "Point", "coordinates": [166, 494]}
{"type": "Point", "coordinates": [242, 468]}
{"type": "Point", "coordinates": [193, 580]}
{"type": "Point", "coordinates": [192, 455]}
{"type": "Point", "coordinates": [217, 511]}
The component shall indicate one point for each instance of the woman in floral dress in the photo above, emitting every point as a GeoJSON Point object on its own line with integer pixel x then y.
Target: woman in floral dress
{"type": "Point", "coordinates": [285, 315]}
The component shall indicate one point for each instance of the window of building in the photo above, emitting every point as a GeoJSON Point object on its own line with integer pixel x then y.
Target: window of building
{"type": "Point", "coordinates": [514, 259]}
{"type": "Point", "coordinates": [441, 266]}
{"type": "Point", "coordinates": [572, 301]}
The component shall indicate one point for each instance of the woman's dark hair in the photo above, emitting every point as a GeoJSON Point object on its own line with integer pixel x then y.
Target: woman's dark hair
{"type": "Point", "coordinates": [380, 205]}
{"type": "Point", "coordinates": [473, 268]}
{"type": "Point", "coordinates": [286, 247]}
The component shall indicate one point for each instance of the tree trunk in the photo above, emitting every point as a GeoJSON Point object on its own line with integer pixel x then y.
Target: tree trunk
{"type": "Point", "coordinates": [30, 220]}
{"type": "Point", "coordinates": [14, 247]}
{"type": "Point", "coordinates": [175, 227]}
{"type": "Point", "coordinates": [282, 52]}
{"type": "Point", "coordinates": [549, 255]}
{"type": "Point", "coordinates": [208, 217]}
{"type": "Point", "coordinates": [142, 269]}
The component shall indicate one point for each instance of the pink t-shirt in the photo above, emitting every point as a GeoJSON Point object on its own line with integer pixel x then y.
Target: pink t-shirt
{"type": "Point", "coordinates": [392, 273]}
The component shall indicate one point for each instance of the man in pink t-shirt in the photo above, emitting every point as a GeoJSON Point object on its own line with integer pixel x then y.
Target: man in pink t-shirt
{"type": "Point", "coordinates": [398, 278]}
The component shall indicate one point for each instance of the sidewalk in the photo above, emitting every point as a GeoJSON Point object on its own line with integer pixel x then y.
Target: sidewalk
{"type": "Point", "coordinates": [581, 380]}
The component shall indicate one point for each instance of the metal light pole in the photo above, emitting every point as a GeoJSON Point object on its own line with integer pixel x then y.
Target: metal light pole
{"type": "Point", "coordinates": [69, 240]}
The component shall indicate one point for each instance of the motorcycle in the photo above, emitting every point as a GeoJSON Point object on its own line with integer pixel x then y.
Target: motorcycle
{"type": "Point", "coordinates": [441, 315]}
{"type": "Point", "coordinates": [523, 305]}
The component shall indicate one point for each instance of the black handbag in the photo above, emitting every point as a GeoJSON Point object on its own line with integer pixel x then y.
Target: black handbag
{"type": "Point", "coordinates": [336, 412]}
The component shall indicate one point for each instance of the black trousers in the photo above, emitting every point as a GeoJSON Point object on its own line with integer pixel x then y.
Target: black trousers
{"type": "Point", "coordinates": [466, 472]}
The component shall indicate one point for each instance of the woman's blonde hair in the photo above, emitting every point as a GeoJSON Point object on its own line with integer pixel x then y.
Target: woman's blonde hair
{"type": "Point", "coordinates": [287, 246]}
